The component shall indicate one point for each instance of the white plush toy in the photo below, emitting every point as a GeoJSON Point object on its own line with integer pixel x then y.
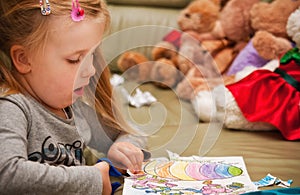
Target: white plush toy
{"type": "Point", "coordinates": [265, 99]}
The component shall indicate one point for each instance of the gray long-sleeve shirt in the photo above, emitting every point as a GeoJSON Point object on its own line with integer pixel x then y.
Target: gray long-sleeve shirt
{"type": "Point", "coordinates": [41, 152]}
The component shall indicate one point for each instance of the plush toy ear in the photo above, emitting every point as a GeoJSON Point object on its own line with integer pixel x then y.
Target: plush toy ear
{"type": "Point", "coordinates": [20, 59]}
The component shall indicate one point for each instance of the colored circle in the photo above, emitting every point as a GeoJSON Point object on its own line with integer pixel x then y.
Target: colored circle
{"type": "Point", "coordinates": [208, 170]}
{"type": "Point", "coordinates": [193, 170]}
{"type": "Point", "coordinates": [163, 170]}
{"type": "Point", "coordinates": [235, 171]}
{"type": "Point", "coordinates": [178, 170]}
{"type": "Point", "coordinates": [222, 170]}
{"type": "Point", "coordinates": [150, 167]}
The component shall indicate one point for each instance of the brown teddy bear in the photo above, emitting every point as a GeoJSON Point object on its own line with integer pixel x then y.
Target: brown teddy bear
{"type": "Point", "coordinates": [199, 16]}
{"type": "Point", "coordinates": [164, 73]}
{"type": "Point", "coordinates": [202, 13]}
{"type": "Point", "coordinates": [227, 38]}
{"type": "Point", "coordinates": [262, 47]}
{"type": "Point", "coordinates": [230, 33]}
{"type": "Point", "coordinates": [261, 20]}
{"type": "Point", "coordinates": [135, 66]}
{"type": "Point", "coordinates": [270, 40]}
{"type": "Point", "coordinates": [182, 49]}
{"type": "Point", "coordinates": [223, 38]}
{"type": "Point", "coordinates": [246, 108]}
{"type": "Point", "coordinates": [201, 20]}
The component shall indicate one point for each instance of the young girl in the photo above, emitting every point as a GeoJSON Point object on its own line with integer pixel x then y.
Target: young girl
{"type": "Point", "coordinates": [48, 58]}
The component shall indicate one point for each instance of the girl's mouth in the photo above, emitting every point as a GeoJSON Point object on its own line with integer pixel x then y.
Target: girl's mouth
{"type": "Point", "coordinates": [79, 91]}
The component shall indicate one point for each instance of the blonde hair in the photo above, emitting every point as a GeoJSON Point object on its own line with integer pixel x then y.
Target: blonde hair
{"type": "Point", "coordinates": [100, 94]}
{"type": "Point", "coordinates": [21, 22]}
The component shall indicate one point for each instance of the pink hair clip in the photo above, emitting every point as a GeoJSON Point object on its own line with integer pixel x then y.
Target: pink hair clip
{"type": "Point", "coordinates": [45, 7]}
{"type": "Point", "coordinates": [77, 13]}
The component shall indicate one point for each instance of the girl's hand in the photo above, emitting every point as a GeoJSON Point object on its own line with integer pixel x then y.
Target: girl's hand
{"type": "Point", "coordinates": [125, 155]}
{"type": "Point", "coordinates": [104, 169]}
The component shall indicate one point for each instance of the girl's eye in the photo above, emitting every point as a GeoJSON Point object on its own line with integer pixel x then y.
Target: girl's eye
{"type": "Point", "coordinates": [73, 61]}
{"type": "Point", "coordinates": [79, 59]}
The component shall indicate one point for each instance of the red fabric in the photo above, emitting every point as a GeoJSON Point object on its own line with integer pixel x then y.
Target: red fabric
{"type": "Point", "coordinates": [173, 37]}
{"type": "Point", "coordinates": [265, 96]}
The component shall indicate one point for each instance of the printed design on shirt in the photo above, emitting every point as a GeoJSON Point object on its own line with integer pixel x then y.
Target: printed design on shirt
{"type": "Point", "coordinates": [56, 153]}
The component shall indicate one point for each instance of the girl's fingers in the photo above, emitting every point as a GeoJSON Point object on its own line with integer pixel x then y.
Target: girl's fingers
{"type": "Point", "coordinates": [128, 155]}
{"type": "Point", "coordinates": [131, 159]}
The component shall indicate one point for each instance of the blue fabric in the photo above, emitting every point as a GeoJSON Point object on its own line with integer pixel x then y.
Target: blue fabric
{"type": "Point", "coordinates": [112, 170]}
{"type": "Point", "coordinates": [281, 191]}
{"type": "Point", "coordinates": [115, 186]}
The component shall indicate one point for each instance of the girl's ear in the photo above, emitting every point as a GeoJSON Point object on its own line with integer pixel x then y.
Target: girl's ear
{"type": "Point", "coordinates": [20, 59]}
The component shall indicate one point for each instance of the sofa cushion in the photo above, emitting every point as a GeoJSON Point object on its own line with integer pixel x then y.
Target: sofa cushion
{"type": "Point", "coordinates": [136, 28]}
{"type": "Point", "coordinates": [171, 124]}
{"type": "Point", "coordinates": [158, 3]}
{"type": "Point", "coordinates": [128, 15]}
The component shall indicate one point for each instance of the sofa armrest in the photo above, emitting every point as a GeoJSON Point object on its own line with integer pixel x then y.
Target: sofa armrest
{"type": "Point", "coordinates": [127, 16]}
{"type": "Point", "coordinates": [130, 13]}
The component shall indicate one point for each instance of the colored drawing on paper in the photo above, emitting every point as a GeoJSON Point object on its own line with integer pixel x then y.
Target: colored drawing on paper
{"type": "Point", "coordinates": [191, 175]}
{"type": "Point", "coordinates": [156, 185]}
{"type": "Point", "coordinates": [190, 170]}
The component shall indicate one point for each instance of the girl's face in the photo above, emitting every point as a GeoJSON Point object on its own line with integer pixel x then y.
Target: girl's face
{"type": "Point", "coordinates": [61, 71]}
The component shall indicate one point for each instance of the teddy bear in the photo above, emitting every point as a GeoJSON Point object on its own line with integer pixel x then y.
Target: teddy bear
{"type": "Point", "coordinates": [262, 47]}
{"type": "Point", "coordinates": [165, 70]}
{"type": "Point", "coordinates": [184, 48]}
{"type": "Point", "coordinates": [198, 18]}
{"type": "Point", "coordinates": [135, 66]}
{"type": "Point", "coordinates": [164, 73]}
{"type": "Point", "coordinates": [223, 42]}
{"type": "Point", "coordinates": [206, 13]}
{"type": "Point", "coordinates": [270, 39]}
{"type": "Point", "coordinates": [263, 100]}
{"type": "Point", "coordinates": [181, 48]}
{"type": "Point", "coordinates": [230, 33]}
{"type": "Point", "coordinates": [220, 37]}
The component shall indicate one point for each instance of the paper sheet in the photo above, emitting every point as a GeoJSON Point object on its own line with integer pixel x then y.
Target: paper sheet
{"type": "Point", "coordinates": [191, 175]}
{"type": "Point", "coordinates": [270, 180]}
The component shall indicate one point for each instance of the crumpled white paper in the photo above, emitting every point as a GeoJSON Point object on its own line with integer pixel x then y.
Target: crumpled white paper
{"type": "Point", "coordinates": [116, 80]}
{"type": "Point", "coordinates": [140, 98]}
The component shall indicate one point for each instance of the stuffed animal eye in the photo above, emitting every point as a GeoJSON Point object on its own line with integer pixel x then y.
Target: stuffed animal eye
{"type": "Point", "coordinates": [187, 15]}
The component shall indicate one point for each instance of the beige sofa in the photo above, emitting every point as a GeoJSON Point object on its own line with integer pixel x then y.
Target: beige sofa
{"type": "Point", "coordinates": [171, 123]}
{"type": "Point", "coordinates": [138, 25]}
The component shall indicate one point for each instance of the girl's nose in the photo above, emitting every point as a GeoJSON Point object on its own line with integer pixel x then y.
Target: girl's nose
{"type": "Point", "coordinates": [88, 69]}
{"type": "Point", "coordinates": [91, 71]}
